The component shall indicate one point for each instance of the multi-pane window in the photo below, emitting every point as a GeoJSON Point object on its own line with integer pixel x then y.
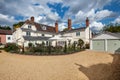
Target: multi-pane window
{"type": "Point", "coordinates": [29, 26]}
{"type": "Point", "coordinates": [77, 33]}
{"type": "Point", "coordinates": [28, 33]}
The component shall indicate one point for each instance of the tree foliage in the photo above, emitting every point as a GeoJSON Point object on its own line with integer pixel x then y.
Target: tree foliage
{"type": "Point", "coordinates": [80, 43]}
{"type": "Point", "coordinates": [65, 29]}
{"type": "Point", "coordinates": [112, 28]}
{"type": "Point", "coordinates": [5, 27]}
{"type": "Point", "coordinates": [11, 47]}
{"type": "Point", "coordinates": [65, 47]}
{"type": "Point", "coordinates": [17, 25]}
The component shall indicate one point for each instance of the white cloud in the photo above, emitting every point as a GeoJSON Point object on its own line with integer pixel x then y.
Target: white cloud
{"type": "Point", "coordinates": [92, 15]}
{"type": "Point", "coordinates": [43, 14]}
{"type": "Point", "coordinates": [53, 16]}
{"type": "Point", "coordinates": [96, 26]}
{"type": "Point", "coordinates": [81, 16]}
{"type": "Point", "coordinates": [103, 14]}
{"type": "Point", "coordinates": [117, 20]}
{"type": "Point", "coordinates": [37, 19]}
{"type": "Point", "coordinates": [6, 20]}
{"type": "Point", "coordinates": [84, 5]}
{"type": "Point", "coordinates": [62, 26]}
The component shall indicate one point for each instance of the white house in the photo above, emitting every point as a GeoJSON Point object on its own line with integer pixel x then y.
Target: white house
{"type": "Point", "coordinates": [9, 38]}
{"type": "Point", "coordinates": [32, 32]}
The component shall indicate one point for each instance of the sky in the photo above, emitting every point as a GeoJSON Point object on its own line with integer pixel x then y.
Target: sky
{"type": "Point", "coordinates": [99, 12]}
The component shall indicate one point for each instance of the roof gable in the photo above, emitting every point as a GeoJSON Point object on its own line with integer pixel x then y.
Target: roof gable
{"type": "Point", "coordinates": [74, 30]}
{"type": "Point", "coordinates": [47, 28]}
{"type": "Point", "coordinates": [39, 27]}
{"type": "Point", "coordinates": [51, 29]}
{"type": "Point", "coordinates": [108, 35]}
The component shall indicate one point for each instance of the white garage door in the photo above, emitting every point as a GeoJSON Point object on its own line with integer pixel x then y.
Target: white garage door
{"type": "Point", "coordinates": [98, 45]}
{"type": "Point", "coordinates": [113, 45]}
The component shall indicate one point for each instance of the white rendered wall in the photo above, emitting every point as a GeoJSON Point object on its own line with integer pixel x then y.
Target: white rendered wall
{"type": "Point", "coordinates": [88, 35]}
{"type": "Point", "coordinates": [9, 39]}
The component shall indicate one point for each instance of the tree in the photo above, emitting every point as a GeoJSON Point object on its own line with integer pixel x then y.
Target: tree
{"type": "Point", "coordinates": [80, 43]}
{"type": "Point", "coordinates": [74, 46]}
{"type": "Point", "coordinates": [49, 48]}
{"type": "Point", "coordinates": [112, 28]}
{"type": "Point", "coordinates": [30, 45]}
{"type": "Point", "coordinates": [5, 27]}
{"type": "Point", "coordinates": [65, 29]}
{"type": "Point", "coordinates": [17, 25]}
{"type": "Point", "coordinates": [65, 47]}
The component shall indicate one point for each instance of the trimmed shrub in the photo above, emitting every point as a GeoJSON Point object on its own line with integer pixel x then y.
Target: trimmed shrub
{"type": "Point", "coordinates": [74, 46]}
{"type": "Point", "coordinates": [30, 45]}
{"type": "Point", "coordinates": [87, 46]}
{"type": "Point", "coordinates": [80, 43]}
{"type": "Point", "coordinates": [11, 47]}
{"type": "Point", "coordinates": [65, 47]}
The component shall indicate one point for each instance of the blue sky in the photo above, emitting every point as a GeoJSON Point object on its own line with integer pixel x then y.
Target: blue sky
{"type": "Point", "coordinates": [99, 12]}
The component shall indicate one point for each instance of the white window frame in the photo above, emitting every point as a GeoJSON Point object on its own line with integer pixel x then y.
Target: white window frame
{"type": "Point", "coordinates": [28, 34]}
{"type": "Point", "coordinates": [77, 34]}
{"type": "Point", "coordinates": [9, 38]}
{"type": "Point", "coordinates": [29, 26]}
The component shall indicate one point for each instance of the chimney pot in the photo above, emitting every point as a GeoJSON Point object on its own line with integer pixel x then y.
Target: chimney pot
{"type": "Point", "coordinates": [69, 24]}
{"type": "Point", "coordinates": [56, 26]}
{"type": "Point", "coordinates": [32, 19]}
{"type": "Point", "coordinates": [87, 22]}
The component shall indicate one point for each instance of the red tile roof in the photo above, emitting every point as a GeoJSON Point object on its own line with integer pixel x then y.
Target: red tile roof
{"type": "Point", "coordinates": [39, 26]}
{"type": "Point", "coordinates": [6, 32]}
{"type": "Point", "coordinates": [50, 28]}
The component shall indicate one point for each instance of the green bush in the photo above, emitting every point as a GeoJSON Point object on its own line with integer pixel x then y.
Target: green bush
{"type": "Point", "coordinates": [11, 47]}
{"type": "Point", "coordinates": [87, 46]}
{"type": "Point", "coordinates": [80, 43]}
{"type": "Point", "coordinates": [65, 47]}
{"type": "Point", "coordinates": [74, 46]}
{"type": "Point", "coordinates": [58, 49]}
{"type": "Point", "coordinates": [30, 44]}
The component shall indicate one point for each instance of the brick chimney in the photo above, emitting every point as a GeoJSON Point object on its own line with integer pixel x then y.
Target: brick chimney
{"type": "Point", "coordinates": [69, 24]}
{"type": "Point", "coordinates": [56, 26]}
{"type": "Point", "coordinates": [87, 22]}
{"type": "Point", "coordinates": [32, 19]}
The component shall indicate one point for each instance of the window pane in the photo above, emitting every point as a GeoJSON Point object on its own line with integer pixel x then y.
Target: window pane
{"type": "Point", "coordinates": [28, 33]}
{"type": "Point", "coordinates": [8, 38]}
{"type": "Point", "coordinates": [77, 33]}
{"type": "Point", "coordinates": [29, 26]}
{"type": "Point", "coordinates": [43, 35]}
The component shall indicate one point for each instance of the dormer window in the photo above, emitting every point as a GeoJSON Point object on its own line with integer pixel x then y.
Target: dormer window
{"type": "Point", "coordinates": [43, 27]}
{"type": "Point", "coordinates": [29, 26]}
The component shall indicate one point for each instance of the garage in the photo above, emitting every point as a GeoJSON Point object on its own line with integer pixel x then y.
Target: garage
{"type": "Point", "coordinates": [109, 42]}
{"type": "Point", "coordinates": [99, 45]}
{"type": "Point", "coordinates": [113, 45]}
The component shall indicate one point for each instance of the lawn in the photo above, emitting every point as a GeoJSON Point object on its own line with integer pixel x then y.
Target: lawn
{"type": "Point", "coordinates": [85, 65]}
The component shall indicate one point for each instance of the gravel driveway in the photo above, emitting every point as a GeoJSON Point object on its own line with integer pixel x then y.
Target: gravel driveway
{"type": "Point", "coordinates": [85, 65]}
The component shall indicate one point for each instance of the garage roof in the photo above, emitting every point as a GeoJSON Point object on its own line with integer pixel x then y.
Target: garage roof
{"type": "Point", "coordinates": [107, 35]}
